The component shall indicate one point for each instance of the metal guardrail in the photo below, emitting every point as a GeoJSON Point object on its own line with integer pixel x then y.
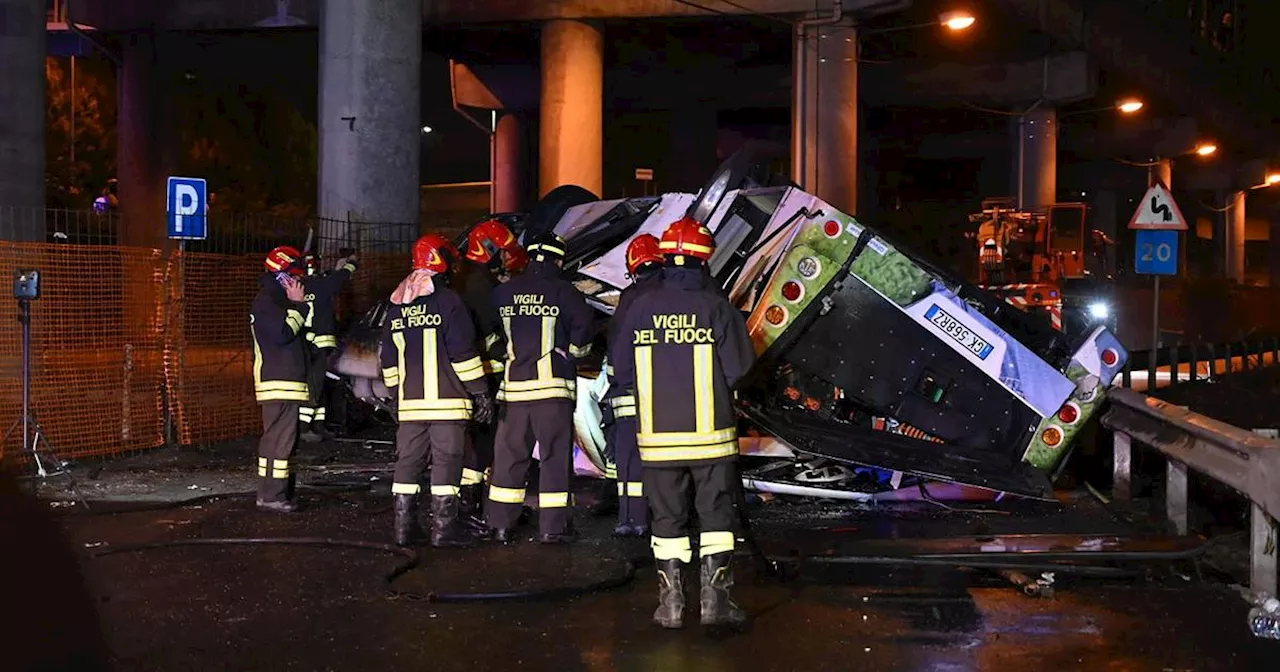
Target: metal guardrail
{"type": "Point", "coordinates": [1240, 459]}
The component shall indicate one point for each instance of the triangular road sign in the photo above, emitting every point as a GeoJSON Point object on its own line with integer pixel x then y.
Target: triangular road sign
{"type": "Point", "coordinates": [1158, 211]}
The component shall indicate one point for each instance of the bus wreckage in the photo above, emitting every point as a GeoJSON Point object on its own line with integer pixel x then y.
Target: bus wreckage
{"type": "Point", "coordinates": [874, 364]}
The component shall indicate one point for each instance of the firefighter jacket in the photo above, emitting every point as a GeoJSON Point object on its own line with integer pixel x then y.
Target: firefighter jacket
{"type": "Point", "coordinates": [681, 348]}
{"type": "Point", "coordinates": [624, 404]}
{"type": "Point", "coordinates": [474, 284]}
{"type": "Point", "coordinates": [321, 290]}
{"type": "Point", "coordinates": [429, 357]}
{"type": "Point", "coordinates": [279, 358]}
{"type": "Point", "coordinates": [548, 327]}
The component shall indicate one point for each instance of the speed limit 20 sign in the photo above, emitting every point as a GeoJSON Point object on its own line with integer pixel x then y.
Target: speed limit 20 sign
{"type": "Point", "coordinates": [1157, 252]}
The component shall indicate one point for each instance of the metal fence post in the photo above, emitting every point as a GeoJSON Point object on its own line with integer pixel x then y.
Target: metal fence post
{"type": "Point", "coordinates": [1213, 361]}
{"type": "Point", "coordinates": [1175, 495]}
{"type": "Point", "coordinates": [1262, 552]}
{"type": "Point", "coordinates": [1229, 358]}
{"type": "Point", "coordinates": [1173, 365]}
{"type": "Point", "coordinates": [1121, 484]}
{"type": "Point", "coordinates": [1195, 361]}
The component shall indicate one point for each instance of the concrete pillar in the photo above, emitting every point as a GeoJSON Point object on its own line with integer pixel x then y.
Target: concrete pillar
{"type": "Point", "coordinates": [1036, 157]}
{"type": "Point", "coordinates": [143, 130]}
{"type": "Point", "coordinates": [22, 85]}
{"type": "Point", "coordinates": [691, 153]}
{"type": "Point", "coordinates": [1162, 171]}
{"type": "Point", "coordinates": [571, 125]}
{"type": "Point", "coordinates": [1103, 218]}
{"type": "Point", "coordinates": [1221, 222]}
{"type": "Point", "coordinates": [507, 171]}
{"type": "Point", "coordinates": [1235, 237]}
{"type": "Point", "coordinates": [824, 114]}
{"type": "Point", "coordinates": [369, 119]}
{"type": "Point", "coordinates": [1273, 246]}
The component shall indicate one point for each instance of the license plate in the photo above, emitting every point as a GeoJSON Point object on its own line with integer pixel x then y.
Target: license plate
{"type": "Point", "coordinates": [957, 331]}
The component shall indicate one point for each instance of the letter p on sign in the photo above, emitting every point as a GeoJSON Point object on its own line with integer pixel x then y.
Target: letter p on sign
{"type": "Point", "coordinates": [188, 203]}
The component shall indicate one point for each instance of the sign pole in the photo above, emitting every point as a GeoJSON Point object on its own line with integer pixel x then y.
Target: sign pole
{"type": "Point", "coordinates": [1155, 339]}
{"type": "Point", "coordinates": [1158, 223]}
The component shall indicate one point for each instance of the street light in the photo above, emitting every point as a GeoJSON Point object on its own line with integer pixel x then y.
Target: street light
{"type": "Point", "coordinates": [1206, 148]}
{"type": "Point", "coordinates": [957, 20]}
{"type": "Point", "coordinates": [426, 130]}
{"type": "Point", "coordinates": [1129, 105]}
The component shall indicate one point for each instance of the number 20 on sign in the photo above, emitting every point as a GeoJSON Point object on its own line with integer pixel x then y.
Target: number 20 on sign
{"type": "Point", "coordinates": [1157, 252]}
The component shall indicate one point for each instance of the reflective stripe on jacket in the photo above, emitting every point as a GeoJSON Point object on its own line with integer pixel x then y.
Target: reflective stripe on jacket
{"type": "Point", "coordinates": [548, 327]}
{"type": "Point", "coordinates": [429, 357]}
{"type": "Point", "coordinates": [680, 349]}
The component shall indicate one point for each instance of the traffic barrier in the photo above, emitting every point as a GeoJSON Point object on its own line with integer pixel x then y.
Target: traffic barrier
{"type": "Point", "coordinates": [1244, 461]}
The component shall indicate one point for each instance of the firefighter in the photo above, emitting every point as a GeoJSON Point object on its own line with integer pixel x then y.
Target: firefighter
{"type": "Point", "coordinates": [492, 253]}
{"type": "Point", "coordinates": [681, 348]}
{"type": "Point", "coordinates": [429, 356]}
{"type": "Point", "coordinates": [322, 338]}
{"type": "Point", "coordinates": [644, 264]}
{"type": "Point", "coordinates": [548, 327]}
{"type": "Point", "coordinates": [276, 321]}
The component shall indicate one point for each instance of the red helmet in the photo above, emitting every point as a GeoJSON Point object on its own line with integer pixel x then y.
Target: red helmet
{"type": "Point", "coordinates": [643, 249]}
{"type": "Point", "coordinates": [689, 238]}
{"type": "Point", "coordinates": [284, 258]}
{"type": "Point", "coordinates": [433, 252]}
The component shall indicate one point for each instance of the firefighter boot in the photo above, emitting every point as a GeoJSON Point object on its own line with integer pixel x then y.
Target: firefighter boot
{"type": "Point", "coordinates": [470, 511]}
{"type": "Point", "coordinates": [607, 503]}
{"type": "Point", "coordinates": [446, 530]}
{"type": "Point", "coordinates": [408, 531]}
{"type": "Point", "coordinates": [670, 613]}
{"type": "Point", "coordinates": [717, 578]}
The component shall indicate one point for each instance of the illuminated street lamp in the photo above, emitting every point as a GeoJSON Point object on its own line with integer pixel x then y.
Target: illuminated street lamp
{"type": "Point", "coordinates": [1129, 105]}
{"type": "Point", "coordinates": [426, 130]}
{"type": "Point", "coordinates": [1273, 178]}
{"type": "Point", "coordinates": [957, 20]}
{"type": "Point", "coordinates": [1206, 148]}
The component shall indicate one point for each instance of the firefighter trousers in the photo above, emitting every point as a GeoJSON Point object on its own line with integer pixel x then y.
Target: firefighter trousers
{"type": "Point", "coordinates": [441, 443]}
{"type": "Point", "coordinates": [550, 424]}
{"type": "Point", "coordinates": [479, 455]}
{"type": "Point", "coordinates": [279, 436]}
{"type": "Point", "coordinates": [317, 370]}
{"type": "Point", "coordinates": [671, 489]}
{"type": "Point", "coordinates": [633, 508]}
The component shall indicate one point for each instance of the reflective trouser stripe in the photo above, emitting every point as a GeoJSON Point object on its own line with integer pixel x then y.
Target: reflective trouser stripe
{"type": "Point", "coordinates": [611, 471]}
{"type": "Point", "coordinates": [445, 491]}
{"type": "Point", "coordinates": [630, 489]}
{"type": "Point", "coordinates": [280, 469]}
{"type": "Point", "coordinates": [320, 414]}
{"type": "Point", "coordinates": [711, 543]}
{"type": "Point", "coordinates": [506, 495]}
{"type": "Point", "coordinates": [472, 477]}
{"type": "Point", "coordinates": [553, 500]}
{"type": "Point", "coordinates": [262, 467]}
{"type": "Point", "coordinates": [678, 548]}
{"type": "Point", "coordinates": [405, 488]}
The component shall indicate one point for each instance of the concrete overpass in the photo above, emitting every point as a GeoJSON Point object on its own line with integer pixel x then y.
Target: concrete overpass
{"type": "Point", "coordinates": [368, 117]}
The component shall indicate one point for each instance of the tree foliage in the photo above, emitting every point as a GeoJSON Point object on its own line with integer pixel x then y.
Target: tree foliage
{"type": "Point", "coordinates": [257, 151]}
{"type": "Point", "coordinates": [80, 149]}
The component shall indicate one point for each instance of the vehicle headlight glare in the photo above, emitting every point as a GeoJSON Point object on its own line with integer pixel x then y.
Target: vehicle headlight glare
{"type": "Point", "coordinates": [1099, 310]}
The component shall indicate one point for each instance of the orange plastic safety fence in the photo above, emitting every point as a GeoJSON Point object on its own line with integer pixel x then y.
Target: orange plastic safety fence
{"type": "Point", "coordinates": [96, 349]}
{"type": "Point", "coordinates": [209, 353]}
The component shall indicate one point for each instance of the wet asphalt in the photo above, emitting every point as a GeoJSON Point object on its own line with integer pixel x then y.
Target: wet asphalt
{"type": "Point", "coordinates": [329, 608]}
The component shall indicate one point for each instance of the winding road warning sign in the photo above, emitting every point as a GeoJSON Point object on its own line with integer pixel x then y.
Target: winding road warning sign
{"type": "Point", "coordinates": [1158, 212]}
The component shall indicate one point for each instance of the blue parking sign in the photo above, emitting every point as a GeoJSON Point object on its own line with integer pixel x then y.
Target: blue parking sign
{"type": "Point", "coordinates": [187, 202]}
{"type": "Point", "coordinates": [1157, 252]}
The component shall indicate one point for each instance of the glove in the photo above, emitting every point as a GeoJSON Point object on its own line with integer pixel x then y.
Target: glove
{"type": "Point", "coordinates": [606, 412]}
{"type": "Point", "coordinates": [482, 408]}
